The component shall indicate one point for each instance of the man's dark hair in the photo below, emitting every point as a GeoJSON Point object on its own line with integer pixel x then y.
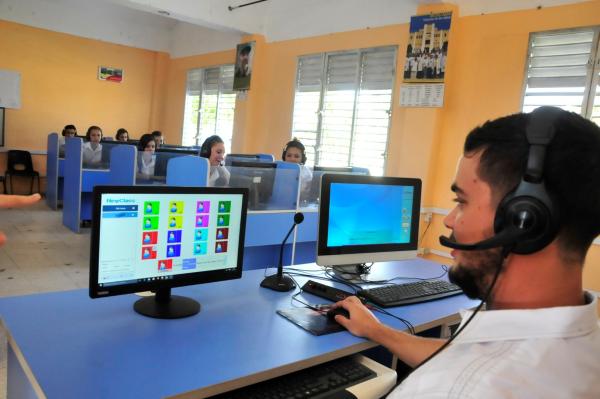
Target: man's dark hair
{"type": "Point", "coordinates": [571, 170]}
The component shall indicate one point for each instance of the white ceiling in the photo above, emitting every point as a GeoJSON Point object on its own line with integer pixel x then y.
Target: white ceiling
{"type": "Point", "coordinates": [202, 26]}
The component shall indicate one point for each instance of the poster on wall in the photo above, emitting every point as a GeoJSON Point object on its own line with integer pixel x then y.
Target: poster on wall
{"type": "Point", "coordinates": [110, 74]}
{"type": "Point", "coordinates": [427, 48]}
{"type": "Point", "coordinates": [10, 89]}
{"type": "Point", "coordinates": [243, 66]}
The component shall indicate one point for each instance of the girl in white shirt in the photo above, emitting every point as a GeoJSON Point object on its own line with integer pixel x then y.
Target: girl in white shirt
{"type": "Point", "coordinates": [146, 159]}
{"type": "Point", "coordinates": [213, 148]}
{"type": "Point", "coordinates": [295, 152]}
{"type": "Point", "coordinates": [92, 149]}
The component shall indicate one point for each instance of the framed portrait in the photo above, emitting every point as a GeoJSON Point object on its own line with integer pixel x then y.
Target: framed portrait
{"type": "Point", "coordinates": [243, 66]}
{"type": "Point", "coordinates": [110, 74]}
{"type": "Point", "coordinates": [427, 48]}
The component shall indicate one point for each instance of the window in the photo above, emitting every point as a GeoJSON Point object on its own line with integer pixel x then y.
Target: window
{"type": "Point", "coordinates": [209, 105]}
{"type": "Point", "coordinates": [342, 107]}
{"type": "Point", "coordinates": [563, 69]}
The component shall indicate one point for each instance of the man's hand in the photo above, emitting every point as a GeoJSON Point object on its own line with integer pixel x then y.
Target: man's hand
{"type": "Point", "coordinates": [361, 322]}
{"type": "Point", "coordinates": [16, 201]}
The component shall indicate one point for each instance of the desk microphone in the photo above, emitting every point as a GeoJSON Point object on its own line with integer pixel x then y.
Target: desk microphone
{"type": "Point", "coordinates": [279, 282]}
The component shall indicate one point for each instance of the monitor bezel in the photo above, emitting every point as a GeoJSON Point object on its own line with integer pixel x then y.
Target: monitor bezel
{"type": "Point", "coordinates": [365, 253]}
{"type": "Point", "coordinates": [95, 291]}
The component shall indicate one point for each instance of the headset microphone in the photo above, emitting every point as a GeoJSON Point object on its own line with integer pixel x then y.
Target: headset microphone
{"type": "Point", "coordinates": [504, 238]}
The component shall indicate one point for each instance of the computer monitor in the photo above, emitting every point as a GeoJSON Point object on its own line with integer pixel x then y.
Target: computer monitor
{"type": "Point", "coordinates": [230, 158]}
{"type": "Point", "coordinates": [154, 238]}
{"type": "Point", "coordinates": [258, 177]}
{"type": "Point", "coordinates": [366, 219]}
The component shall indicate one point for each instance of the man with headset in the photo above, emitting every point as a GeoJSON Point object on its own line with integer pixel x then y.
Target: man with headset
{"type": "Point", "coordinates": [528, 209]}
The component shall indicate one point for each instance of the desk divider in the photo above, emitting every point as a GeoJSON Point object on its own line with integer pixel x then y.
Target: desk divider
{"type": "Point", "coordinates": [123, 161]}
{"type": "Point", "coordinates": [190, 171]}
{"type": "Point", "coordinates": [52, 172]}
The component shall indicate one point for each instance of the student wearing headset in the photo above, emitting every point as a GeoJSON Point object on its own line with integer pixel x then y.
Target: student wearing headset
{"type": "Point", "coordinates": [213, 148]}
{"type": "Point", "coordinates": [92, 149]}
{"type": "Point", "coordinates": [528, 209]}
{"type": "Point", "coordinates": [295, 152]}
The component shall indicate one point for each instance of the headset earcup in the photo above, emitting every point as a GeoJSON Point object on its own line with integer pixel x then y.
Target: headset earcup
{"type": "Point", "coordinates": [283, 154]}
{"type": "Point", "coordinates": [532, 215]}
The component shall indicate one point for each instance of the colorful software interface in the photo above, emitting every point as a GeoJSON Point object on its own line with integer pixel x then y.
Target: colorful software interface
{"type": "Point", "coordinates": [146, 237]}
{"type": "Point", "coordinates": [367, 214]}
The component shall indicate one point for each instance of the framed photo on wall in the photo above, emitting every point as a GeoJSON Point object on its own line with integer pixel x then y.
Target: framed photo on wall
{"type": "Point", "coordinates": [243, 66]}
{"type": "Point", "coordinates": [110, 74]}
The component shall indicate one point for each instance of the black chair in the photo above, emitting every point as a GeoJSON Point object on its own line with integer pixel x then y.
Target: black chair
{"type": "Point", "coordinates": [19, 163]}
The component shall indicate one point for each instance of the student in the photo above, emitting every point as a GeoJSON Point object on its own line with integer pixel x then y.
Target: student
{"type": "Point", "coordinates": [92, 149]}
{"type": "Point", "coordinates": [146, 156]}
{"type": "Point", "coordinates": [539, 335]}
{"type": "Point", "coordinates": [158, 138]}
{"type": "Point", "coordinates": [68, 131]}
{"type": "Point", "coordinates": [16, 201]}
{"type": "Point", "coordinates": [213, 148]}
{"type": "Point", "coordinates": [295, 152]}
{"type": "Point", "coordinates": [122, 135]}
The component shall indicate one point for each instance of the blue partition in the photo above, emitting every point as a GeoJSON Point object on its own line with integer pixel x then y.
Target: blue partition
{"type": "Point", "coordinates": [79, 183]}
{"type": "Point", "coordinates": [188, 171]}
{"type": "Point", "coordinates": [286, 186]}
{"type": "Point", "coordinates": [122, 165]}
{"type": "Point", "coordinates": [53, 178]}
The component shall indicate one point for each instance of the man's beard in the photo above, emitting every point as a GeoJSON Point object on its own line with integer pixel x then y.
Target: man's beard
{"type": "Point", "coordinates": [476, 272]}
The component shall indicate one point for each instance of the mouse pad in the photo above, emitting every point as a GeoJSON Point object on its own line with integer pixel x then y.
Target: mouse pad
{"type": "Point", "coordinates": [312, 321]}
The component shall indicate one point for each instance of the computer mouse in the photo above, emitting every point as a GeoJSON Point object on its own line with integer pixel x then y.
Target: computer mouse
{"type": "Point", "coordinates": [339, 310]}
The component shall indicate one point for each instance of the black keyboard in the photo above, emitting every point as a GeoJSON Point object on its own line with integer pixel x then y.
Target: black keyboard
{"type": "Point", "coordinates": [321, 381]}
{"type": "Point", "coordinates": [404, 294]}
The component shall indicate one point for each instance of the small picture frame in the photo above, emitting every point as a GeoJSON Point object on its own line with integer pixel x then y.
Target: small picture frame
{"type": "Point", "coordinates": [243, 66]}
{"type": "Point", "coordinates": [110, 74]}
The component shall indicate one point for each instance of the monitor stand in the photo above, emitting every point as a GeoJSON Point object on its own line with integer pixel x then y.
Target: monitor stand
{"type": "Point", "coordinates": [351, 273]}
{"type": "Point", "coordinates": [163, 305]}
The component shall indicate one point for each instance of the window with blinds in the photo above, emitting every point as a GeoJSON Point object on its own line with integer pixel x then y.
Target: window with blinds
{"type": "Point", "coordinates": [209, 105]}
{"type": "Point", "coordinates": [342, 107]}
{"type": "Point", "coordinates": [563, 70]}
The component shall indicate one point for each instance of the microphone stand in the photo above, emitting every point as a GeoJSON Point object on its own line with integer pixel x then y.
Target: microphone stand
{"type": "Point", "coordinates": [279, 282]}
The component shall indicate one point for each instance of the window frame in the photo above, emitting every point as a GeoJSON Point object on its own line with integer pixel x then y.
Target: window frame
{"type": "Point", "coordinates": [593, 66]}
{"type": "Point", "coordinates": [322, 91]}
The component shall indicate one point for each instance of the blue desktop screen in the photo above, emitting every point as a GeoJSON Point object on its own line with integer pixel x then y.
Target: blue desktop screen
{"type": "Point", "coordinates": [368, 214]}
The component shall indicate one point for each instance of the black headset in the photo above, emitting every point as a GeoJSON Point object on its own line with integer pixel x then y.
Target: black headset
{"type": "Point", "coordinates": [208, 144]}
{"type": "Point", "coordinates": [296, 144]}
{"type": "Point", "coordinates": [527, 219]}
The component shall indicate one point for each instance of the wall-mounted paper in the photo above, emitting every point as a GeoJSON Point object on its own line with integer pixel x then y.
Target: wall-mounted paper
{"type": "Point", "coordinates": [10, 89]}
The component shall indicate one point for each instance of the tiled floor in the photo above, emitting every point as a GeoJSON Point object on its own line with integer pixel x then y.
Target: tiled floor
{"type": "Point", "coordinates": [40, 255]}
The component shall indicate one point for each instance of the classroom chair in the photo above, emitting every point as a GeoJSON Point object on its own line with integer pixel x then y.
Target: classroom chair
{"type": "Point", "coordinates": [19, 163]}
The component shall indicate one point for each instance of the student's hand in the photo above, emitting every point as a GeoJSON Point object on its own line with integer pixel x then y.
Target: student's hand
{"type": "Point", "coordinates": [16, 201]}
{"type": "Point", "coordinates": [361, 322]}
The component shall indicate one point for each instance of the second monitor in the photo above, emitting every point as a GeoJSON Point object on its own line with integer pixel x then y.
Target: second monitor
{"type": "Point", "coordinates": [257, 177]}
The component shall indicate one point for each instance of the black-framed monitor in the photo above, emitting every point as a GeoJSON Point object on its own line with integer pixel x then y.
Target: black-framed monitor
{"type": "Point", "coordinates": [366, 219]}
{"type": "Point", "coordinates": [258, 177]}
{"type": "Point", "coordinates": [154, 238]}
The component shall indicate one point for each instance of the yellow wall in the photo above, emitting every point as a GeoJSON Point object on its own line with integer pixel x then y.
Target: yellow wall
{"type": "Point", "coordinates": [484, 80]}
{"type": "Point", "coordinates": [59, 85]}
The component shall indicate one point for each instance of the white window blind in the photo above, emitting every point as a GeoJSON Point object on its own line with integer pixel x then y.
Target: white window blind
{"type": "Point", "coordinates": [209, 105]}
{"type": "Point", "coordinates": [562, 70]}
{"type": "Point", "coordinates": [342, 107]}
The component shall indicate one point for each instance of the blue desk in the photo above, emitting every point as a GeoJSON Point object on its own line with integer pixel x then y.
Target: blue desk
{"type": "Point", "coordinates": [76, 347]}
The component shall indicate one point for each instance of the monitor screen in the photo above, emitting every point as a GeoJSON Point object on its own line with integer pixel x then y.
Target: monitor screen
{"type": "Point", "coordinates": [258, 177]}
{"type": "Point", "coordinates": [157, 237]}
{"type": "Point", "coordinates": [367, 219]}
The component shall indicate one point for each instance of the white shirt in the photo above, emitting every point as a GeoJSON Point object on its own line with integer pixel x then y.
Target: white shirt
{"type": "Point", "coordinates": [539, 353]}
{"type": "Point", "coordinates": [216, 173]}
{"type": "Point", "coordinates": [147, 163]}
{"type": "Point", "coordinates": [91, 156]}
